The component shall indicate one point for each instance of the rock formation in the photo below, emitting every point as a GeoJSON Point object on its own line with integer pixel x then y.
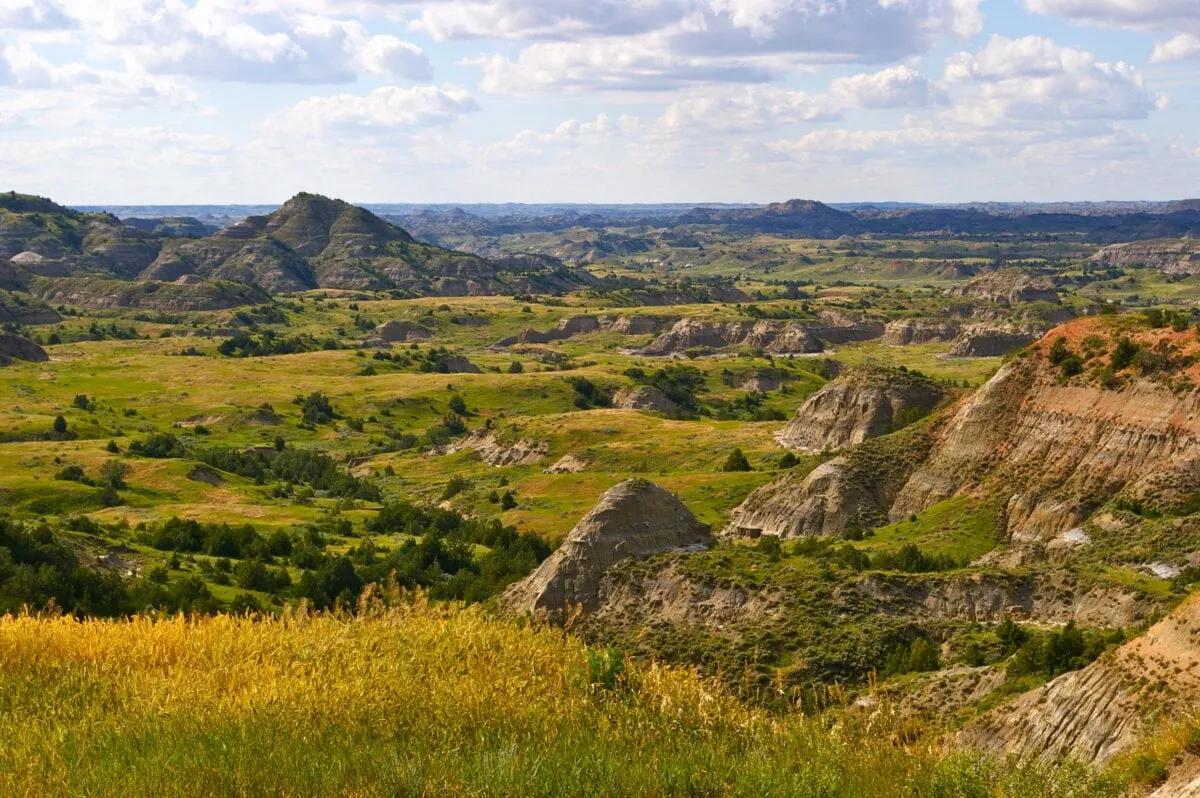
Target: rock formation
{"type": "Point", "coordinates": [861, 403]}
{"type": "Point", "coordinates": [644, 397]}
{"type": "Point", "coordinates": [1007, 287]}
{"type": "Point", "coordinates": [774, 337]}
{"type": "Point", "coordinates": [14, 347]}
{"type": "Point", "coordinates": [991, 340]}
{"type": "Point", "coordinates": [633, 519]}
{"type": "Point", "coordinates": [1168, 255]}
{"type": "Point", "coordinates": [1096, 713]}
{"type": "Point", "coordinates": [902, 332]}
{"type": "Point", "coordinates": [494, 452]}
{"type": "Point", "coordinates": [402, 331]}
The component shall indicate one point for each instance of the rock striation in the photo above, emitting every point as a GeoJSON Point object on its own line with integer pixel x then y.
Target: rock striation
{"type": "Point", "coordinates": [1168, 255]}
{"type": "Point", "coordinates": [862, 403]}
{"type": "Point", "coordinates": [634, 519]}
{"type": "Point", "coordinates": [1097, 712]}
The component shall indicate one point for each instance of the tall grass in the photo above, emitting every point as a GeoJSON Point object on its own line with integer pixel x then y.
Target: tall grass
{"type": "Point", "coordinates": [418, 699]}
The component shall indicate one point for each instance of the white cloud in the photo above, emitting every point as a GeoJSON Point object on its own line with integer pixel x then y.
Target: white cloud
{"type": "Point", "coordinates": [1139, 14]}
{"type": "Point", "coordinates": [617, 64]}
{"type": "Point", "coordinates": [894, 87]}
{"type": "Point", "coordinates": [1177, 48]}
{"type": "Point", "coordinates": [252, 41]}
{"type": "Point", "coordinates": [749, 108]}
{"type": "Point", "coordinates": [389, 108]}
{"type": "Point", "coordinates": [23, 68]}
{"type": "Point", "coordinates": [33, 15]}
{"type": "Point", "coordinates": [1033, 78]}
{"type": "Point", "coordinates": [663, 44]}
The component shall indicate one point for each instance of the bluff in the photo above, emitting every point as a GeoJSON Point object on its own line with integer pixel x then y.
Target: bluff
{"type": "Point", "coordinates": [633, 519]}
{"type": "Point", "coordinates": [862, 403]}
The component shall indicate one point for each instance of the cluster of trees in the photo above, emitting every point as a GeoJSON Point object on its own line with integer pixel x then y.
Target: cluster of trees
{"type": "Point", "coordinates": [269, 343]}
{"type": "Point", "coordinates": [678, 383]}
{"type": "Point", "coordinates": [1055, 652]}
{"type": "Point", "coordinates": [588, 394]}
{"type": "Point", "coordinates": [284, 463]}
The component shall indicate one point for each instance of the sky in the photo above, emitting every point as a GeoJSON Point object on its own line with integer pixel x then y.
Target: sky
{"type": "Point", "coordinates": [251, 101]}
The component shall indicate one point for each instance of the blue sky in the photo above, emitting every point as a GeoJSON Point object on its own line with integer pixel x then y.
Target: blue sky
{"type": "Point", "coordinates": [174, 101]}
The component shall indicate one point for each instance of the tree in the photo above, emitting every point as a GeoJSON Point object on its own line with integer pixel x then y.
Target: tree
{"type": "Point", "coordinates": [113, 473]}
{"type": "Point", "coordinates": [515, 367]}
{"type": "Point", "coordinates": [60, 425]}
{"type": "Point", "coordinates": [317, 409]}
{"type": "Point", "coordinates": [457, 405]}
{"type": "Point", "coordinates": [508, 501]}
{"type": "Point", "coordinates": [736, 462]}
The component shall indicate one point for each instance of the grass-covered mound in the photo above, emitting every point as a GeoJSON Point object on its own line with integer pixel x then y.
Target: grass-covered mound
{"type": "Point", "coordinates": [420, 700]}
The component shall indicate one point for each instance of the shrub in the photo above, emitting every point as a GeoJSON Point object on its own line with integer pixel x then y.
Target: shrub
{"type": "Point", "coordinates": [736, 461]}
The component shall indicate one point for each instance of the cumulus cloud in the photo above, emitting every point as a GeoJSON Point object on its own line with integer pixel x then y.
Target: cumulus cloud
{"type": "Point", "coordinates": [34, 15]}
{"type": "Point", "coordinates": [616, 64]}
{"type": "Point", "coordinates": [1033, 78]}
{"type": "Point", "coordinates": [1138, 14]}
{"type": "Point", "coordinates": [390, 108]}
{"type": "Point", "coordinates": [248, 40]}
{"type": "Point", "coordinates": [1177, 48]}
{"type": "Point", "coordinates": [23, 68]}
{"type": "Point", "coordinates": [896, 87]}
{"type": "Point", "coordinates": [663, 44]}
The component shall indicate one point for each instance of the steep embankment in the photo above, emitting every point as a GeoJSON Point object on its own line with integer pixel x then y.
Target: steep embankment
{"type": "Point", "coordinates": [1051, 447]}
{"type": "Point", "coordinates": [633, 519]}
{"type": "Point", "coordinates": [1096, 713]}
{"type": "Point", "coordinates": [862, 403]}
{"type": "Point", "coordinates": [1168, 255]}
{"type": "Point", "coordinates": [1058, 447]}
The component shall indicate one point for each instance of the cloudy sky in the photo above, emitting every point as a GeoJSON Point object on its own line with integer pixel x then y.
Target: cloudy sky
{"type": "Point", "coordinates": [108, 101]}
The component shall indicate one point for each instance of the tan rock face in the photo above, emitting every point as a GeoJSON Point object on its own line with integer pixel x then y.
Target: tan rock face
{"type": "Point", "coordinates": [1169, 255]}
{"type": "Point", "coordinates": [644, 397]}
{"type": "Point", "coordinates": [778, 338]}
{"type": "Point", "coordinates": [495, 453]}
{"type": "Point", "coordinates": [903, 332]}
{"type": "Point", "coordinates": [860, 404]}
{"type": "Point", "coordinates": [992, 340]}
{"type": "Point", "coordinates": [1058, 451]}
{"type": "Point", "coordinates": [1007, 287]}
{"type": "Point", "coordinates": [1096, 713]}
{"type": "Point", "coordinates": [825, 502]}
{"type": "Point", "coordinates": [633, 519]}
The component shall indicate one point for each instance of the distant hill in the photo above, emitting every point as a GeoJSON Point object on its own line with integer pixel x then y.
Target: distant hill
{"type": "Point", "coordinates": [309, 242]}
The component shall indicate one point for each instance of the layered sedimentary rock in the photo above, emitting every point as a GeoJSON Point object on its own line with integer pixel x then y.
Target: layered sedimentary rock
{"type": "Point", "coordinates": [861, 403]}
{"type": "Point", "coordinates": [902, 332]}
{"type": "Point", "coordinates": [1007, 287]}
{"type": "Point", "coordinates": [771, 336]}
{"type": "Point", "coordinates": [634, 519]}
{"type": "Point", "coordinates": [1168, 255]}
{"type": "Point", "coordinates": [1095, 713]}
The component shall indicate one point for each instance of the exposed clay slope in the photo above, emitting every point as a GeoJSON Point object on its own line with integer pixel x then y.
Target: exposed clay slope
{"type": "Point", "coordinates": [862, 403]}
{"type": "Point", "coordinates": [1058, 449]}
{"type": "Point", "coordinates": [495, 452]}
{"type": "Point", "coordinates": [853, 491]}
{"type": "Point", "coordinates": [1007, 287]}
{"type": "Point", "coordinates": [903, 332]}
{"type": "Point", "coordinates": [1168, 255]}
{"type": "Point", "coordinates": [633, 519]}
{"type": "Point", "coordinates": [1097, 712]}
{"type": "Point", "coordinates": [644, 397]}
{"type": "Point", "coordinates": [14, 347]}
{"type": "Point", "coordinates": [780, 338]}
